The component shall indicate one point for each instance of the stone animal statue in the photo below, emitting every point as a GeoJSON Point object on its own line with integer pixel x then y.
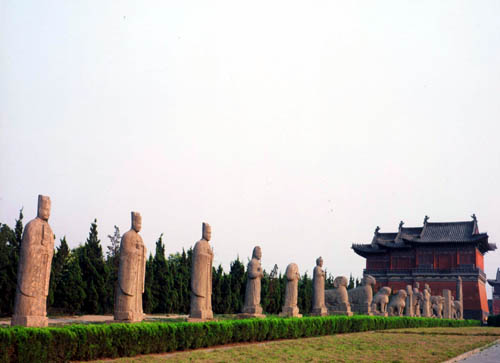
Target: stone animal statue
{"type": "Point", "coordinates": [380, 300]}
{"type": "Point", "coordinates": [437, 306]}
{"type": "Point", "coordinates": [418, 298]}
{"type": "Point", "coordinates": [397, 304]}
{"type": "Point", "coordinates": [337, 300]}
{"type": "Point", "coordinates": [457, 310]}
{"type": "Point", "coordinates": [361, 297]}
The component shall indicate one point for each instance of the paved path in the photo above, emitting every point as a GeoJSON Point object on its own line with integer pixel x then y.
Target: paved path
{"type": "Point", "coordinates": [489, 355]}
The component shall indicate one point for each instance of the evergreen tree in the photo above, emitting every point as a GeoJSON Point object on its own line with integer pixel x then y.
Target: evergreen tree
{"type": "Point", "coordinates": [160, 288]}
{"type": "Point", "coordinates": [304, 300]}
{"type": "Point", "coordinates": [358, 282]}
{"type": "Point", "coordinates": [69, 294]}
{"type": "Point", "coordinates": [113, 264]}
{"type": "Point", "coordinates": [60, 256]}
{"type": "Point", "coordinates": [238, 285]}
{"type": "Point", "coordinates": [95, 274]}
{"type": "Point", "coordinates": [148, 302]}
{"type": "Point", "coordinates": [350, 285]}
{"type": "Point", "coordinates": [7, 268]}
{"type": "Point", "coordinates": [217, 298]}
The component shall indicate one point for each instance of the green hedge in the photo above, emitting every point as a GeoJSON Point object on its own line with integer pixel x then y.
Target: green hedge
{"type": "Point", "coordinates": [86, 342]}
{"type": "Point", "coordinates": [494, 320]}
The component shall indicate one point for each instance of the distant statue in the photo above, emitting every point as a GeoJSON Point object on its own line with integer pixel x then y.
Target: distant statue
{"type": "Point", "coordinates": [417, 300]}
{"type": "Point", "coordinates": [426, 302]}
{"type": "Point", "coordinates": [131, 274]}
{"type": "Point", "coordinates": [33, 274]}
{"type": "Point", "coordinates": [361, 297]}
{"type": "Point", "coordinates": [319, 307]}
{"type": "Point", "coordinates": [381, 300]}
{"type": "Point", "coordinates": [458, 304]}
{"type": "Point", "coordinates": [397, 304]}
{"type": "Point", "coordinates": [337, 299]}
{"type": "Point", "coordinates": [252, 307]}
{"type": "Point", "coordinates": [409, 301]}
{"type": "Point", "coordinates": [201, 278]}
{"type": "Point", "coordinates": [437, 304]}
{"type": "Point", "coordinates": [290, 307]}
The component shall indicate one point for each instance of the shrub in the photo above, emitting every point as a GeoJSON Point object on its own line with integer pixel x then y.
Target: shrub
{"type": "Point", "coordinates": [494, 320]}
{"type": "Point", "coordinates": [87, 342]}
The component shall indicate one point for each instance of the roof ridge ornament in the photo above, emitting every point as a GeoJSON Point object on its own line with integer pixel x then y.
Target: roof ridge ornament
{"type": "Point", "coordinates": [401, 223]}
{"type": "Point", "coordinates": [426, 219]}
{"type": "Point", "coordinates": [473, 216]}
{"type": "Point", "coordinates": [377, 229]}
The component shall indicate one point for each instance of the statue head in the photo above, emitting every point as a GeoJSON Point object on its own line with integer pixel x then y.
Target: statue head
{"type": "Point", "coordinates": [409, 290]}
{"type": "Point", "coordinates": [206, 231]}
{"type": "Point", "coordinates": [257, 252]}
{"type": "Point", "coordinates": [136, 221]}
{"type": "Point", "coordinates": [386, 290]}
{"type": "Point", "coordinates": [417, 285]}
{"type": "Point", "coordinates": [402, 294]}
{"type": "Point", "coordinates": [340, 281]}
{"type": "Point", "coordinates": [319, 261]}
{"type": "Point", "coordinates": [368, 280]}
{"type": "Point", "coordinates": [43, 207]}
{"type": "Point", "coordinates": [426, 287]}
{"type": "Point", "coordinates": [292, 272]}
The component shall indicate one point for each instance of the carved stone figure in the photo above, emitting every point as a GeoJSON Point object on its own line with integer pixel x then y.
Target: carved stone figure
{"type": "Point", "coordinates": [33, 274]}
{"type": "Point", "coordinates": [437, 306]}
{"type": "Point", "coordinates": [319, 307]}
{"type": "Point", "coordinates": [447, 304]}
{"type": "Point", "coordinates": [201, 278]}
{"type": "Point", "coordinates": [426, 302]}
{"type": "Point", "coordinates": [457, 310]}
{"type": "Point", "coordinates": [459, 303]}
{"type": "Point", "coordinates": [397, 304]}
{"type": "Point", "coordinates": [361, 297]}
{"type": "Point", "coordinates": [337, 299]}
{"type": "Point", "coordinates": [252, 307]}
{"type": "Point", "coordinates": [409, 301]}
{"type": "Point", "coordinates": [380, 301]}
{"type": "Point", "coordinates": [290, 307]}
{"type": "Point", "coordinates": [131, 274]}
{"type": "Point", "coordinates": [417, 300]}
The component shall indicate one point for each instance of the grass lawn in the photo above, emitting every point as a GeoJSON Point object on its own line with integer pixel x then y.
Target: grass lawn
{"type": "Point", "coordinates": [403, 345]}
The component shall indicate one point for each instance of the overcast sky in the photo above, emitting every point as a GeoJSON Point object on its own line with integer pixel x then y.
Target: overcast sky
{"type": "Point", "coordinates": [297, 126]}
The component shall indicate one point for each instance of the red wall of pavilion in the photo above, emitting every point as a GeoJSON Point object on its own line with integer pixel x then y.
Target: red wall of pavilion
{"type": "Point", "coordinates": [496, 307]}
{"type": "Point", "coordinates": [479, 260]}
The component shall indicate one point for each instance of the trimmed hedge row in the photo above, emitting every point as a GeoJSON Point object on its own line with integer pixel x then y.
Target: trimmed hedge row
{"type": "Point", "coordinates": [86, 342]}
{"type": "Point", "coordinates": [494, 320]}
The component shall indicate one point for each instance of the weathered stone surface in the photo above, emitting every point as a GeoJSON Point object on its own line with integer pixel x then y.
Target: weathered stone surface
{"type": "Point", "coordinates": [426, 302]}
{"type": "Point", "coordinates": [397, 303]}
{"type": "Point", "coordinates": [290, 307]}
{"type": "Point", "coordinates": [33, 276]}
{"type": "Point", "coordinates": [131, 274]}
{"type": "Point", "coordinates": [409, 301]}
{"type": "Point", "coordinates": [361, 297]}
{"type": "Point", "coordinates": [337, 299]}
{"type": "Point", "coordinates": [252, 307]}
{"type": "Point", "coordinates": [447, 304]}
{"type": "Point", "coordinates": [380, 301]}
{"type": "Point", "coordinates": [417, 300]}
{"type": "Point", "coordinates": [437, 303]}
{"type": "Point", "coordinates": [201, 278]}
{"type": "Point", "coordinates": [318, 304]}
{"type": "Point", "coordinates": [459, 303]}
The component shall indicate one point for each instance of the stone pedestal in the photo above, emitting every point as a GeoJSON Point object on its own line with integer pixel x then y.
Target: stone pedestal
{"type": "Point", "coordinates": [252, 312]}
{"type": "Point", "coordinates": [202, 315]}
{"type": "Point", "coordinates": [364, 309]}
{"type": "Point", "coordinates": [30, 321]}
{"type": "Point", "coordinates": [323, 311]}
{"type": "Point", "coordinates": [291, 312]}
{"type": "Point", "coordinates": [447, 309]}
{"type": "Point", "coordinates": [381, 313]}
{"type": "Point", "coordinates": [129, 316]}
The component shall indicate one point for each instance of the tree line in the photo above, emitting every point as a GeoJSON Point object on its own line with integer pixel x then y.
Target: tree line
{"type": "Point", "coordinates": [83, 279]}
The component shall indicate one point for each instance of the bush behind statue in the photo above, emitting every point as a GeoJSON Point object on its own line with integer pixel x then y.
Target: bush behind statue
{"type": "Point", "coordinates": [494, 320]}
{"type": "Point", "coordinates": [87, 342]}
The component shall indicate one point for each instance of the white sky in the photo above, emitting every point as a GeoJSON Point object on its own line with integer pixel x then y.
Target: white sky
{"type": "Point", "coordinates": [298, 126]}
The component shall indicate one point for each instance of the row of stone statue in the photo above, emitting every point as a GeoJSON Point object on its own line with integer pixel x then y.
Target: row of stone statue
{"type": "Point", "coordinates": [37, 249]}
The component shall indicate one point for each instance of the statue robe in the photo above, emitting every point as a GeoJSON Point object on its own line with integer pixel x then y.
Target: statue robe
{"type": "Point", "coordinates": [131, 275]}
{"type": "Point", "coordinates": [318, 288]}
{"type": "Point", "coordinates": [33, 277]}
{"type": "Point", "coordinates": [201, 281]}
{"type": "Point", "coordinates": [253, 288]}
{"type": "Point", "coordinates": [291, 291]}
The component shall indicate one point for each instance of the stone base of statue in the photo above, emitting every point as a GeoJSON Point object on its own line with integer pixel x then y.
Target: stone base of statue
{"type": "Point", "coordinates": [251, 312]}
{"type": "Point", "coordinates": [339, 309]}
{"type": "Point", "coordinates": [290, 312]}
{"type": "Point", "coordinates": [201, 315]}
{"type": "Point", "coordinates": [323, 311]}
{"type": "Point", "coordinates": [340, 312]}
{"type": "Point", "coordinates": [129, 316]}
{"type": "Point", "coordinates": [33, 321]}
{"type": "Point", "coordinates": [376, 313]}
{"type": "Point", "coordinates": [364, 309]}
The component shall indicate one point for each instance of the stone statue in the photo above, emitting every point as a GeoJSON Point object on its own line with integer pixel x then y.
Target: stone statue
{"type": "Point", "coordinates": [201, 278]}
{"type": "Point", "coordinates": [318, 305]}
{"type": "Point", "coordinates": [361, 297]}
{"type": "Point", "coordinates": [447, 304]}
{"type": "Point", "coordinates": [457, 310]}
{"type": "Point", "coordinates": [459, 303]}
{"type": "Point", "coordinates": [437, 303]}
{"type": "Point", "coordinates": [131, 274]}
{"type": "Point", "coordinates": [409, 301]}
{"type": "Point", "coordinates": [337, 299]}
{"type": "Point", "coordinates": [426, 302]}
{"type": "Point", "coordinates": [252, 307]}
{"type": "Point", "coordinates": [417, 299]}
{"type": "Point", "coordinates": [290, 307]}
{"type": "Point", "coordinates": [380, 301]}
{"type": "Point", "coordinates": [33, 274]}
{"type": "Point", "coordinates": [397, 304]}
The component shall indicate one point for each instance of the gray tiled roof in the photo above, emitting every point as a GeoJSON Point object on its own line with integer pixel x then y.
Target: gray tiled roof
{"type": "Point", "coordinates": [448, 232]}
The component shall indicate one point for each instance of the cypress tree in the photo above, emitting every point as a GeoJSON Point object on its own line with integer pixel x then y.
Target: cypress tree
{"type": "Point", "coordinates": [238, 285]}
{"type": "Point", "coordinates": [149, 303]}
{"type": "Point", "coordinates": [58, 262]}
{"type": "Point", "coordinates": [7, 277]}
{"type": "Point", "coordinates": [113, 264]}
{"type": "Point", "coordinates": [70, 293]}
{"type": "Point", "coordinates": [159, 288]}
